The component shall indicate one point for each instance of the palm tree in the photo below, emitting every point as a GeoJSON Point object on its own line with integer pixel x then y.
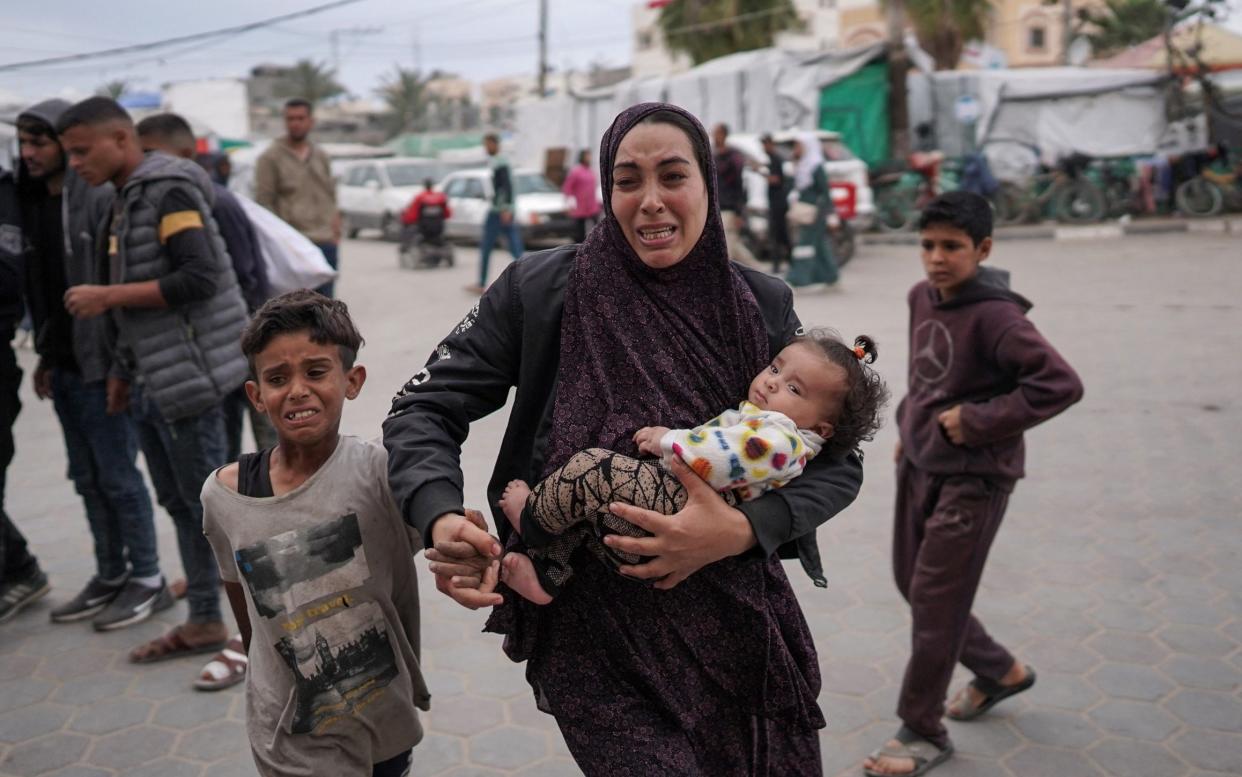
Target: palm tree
{"type": "Point", "coordinates": [313, 81]}
{"type": "Point", "coordinates": [944, 26]}
{"type": "Point", "coordinates": [405, 92]}
{"type": "Point", "coordinates": [707, 29]}
{"type": "Point", "coordinates": [113, 89]}
{"type": "Point", "coordinates": [1122, 23]}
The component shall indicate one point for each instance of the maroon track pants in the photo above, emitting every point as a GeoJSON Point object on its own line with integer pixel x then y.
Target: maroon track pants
{"type": "Point", "coordinates": [944, 526]}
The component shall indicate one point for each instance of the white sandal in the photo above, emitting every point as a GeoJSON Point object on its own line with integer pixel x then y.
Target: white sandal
{"type": "Point", "coordinates": [226, 669]}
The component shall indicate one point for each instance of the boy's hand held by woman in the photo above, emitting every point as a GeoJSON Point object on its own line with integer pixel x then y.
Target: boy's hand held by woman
{"type": "Point", "coordinates": [465, 559]}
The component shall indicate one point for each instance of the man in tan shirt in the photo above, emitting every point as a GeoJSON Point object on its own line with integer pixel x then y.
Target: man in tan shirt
{"type": "Point", "coordinates": [294, 181]}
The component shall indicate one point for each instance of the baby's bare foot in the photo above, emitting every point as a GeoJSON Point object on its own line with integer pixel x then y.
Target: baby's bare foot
{"type": "Point", "coordinates": [518, 572]}
{"type": "Point", "coordinates": [513, 501]}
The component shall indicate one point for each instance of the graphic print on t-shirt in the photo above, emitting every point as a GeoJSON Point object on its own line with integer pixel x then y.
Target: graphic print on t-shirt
{"type": "Point", "coordinates": [335, 644]}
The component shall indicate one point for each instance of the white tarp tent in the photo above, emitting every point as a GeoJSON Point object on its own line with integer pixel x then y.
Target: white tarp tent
{"type": "Point", "coordinates": [751, 91]}
{"type": "Point", "coordinates": [1067, 109]}
{"type": "Point", "coordinates": [1058, 110]}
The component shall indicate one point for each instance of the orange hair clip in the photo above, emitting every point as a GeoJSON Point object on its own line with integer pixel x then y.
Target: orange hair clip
{"type": "Point", "coordinates": [859, 352]}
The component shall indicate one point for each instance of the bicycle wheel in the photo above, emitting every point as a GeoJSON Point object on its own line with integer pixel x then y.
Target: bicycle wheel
{"type": "Point", "coordinates": [1199, 197]}
{"type": "Point", "coordinates": [895, 211]}
{"type": "Point", "coordinates": [1009, 204]}
{"type": "Point", "coordinates": [1079, 202]}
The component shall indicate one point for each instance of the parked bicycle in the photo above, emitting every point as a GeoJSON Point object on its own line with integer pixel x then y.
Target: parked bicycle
{"type": "Point", "coordinates": [1217, 186]}
{"type": "Point", "coordinates": [904, 192]}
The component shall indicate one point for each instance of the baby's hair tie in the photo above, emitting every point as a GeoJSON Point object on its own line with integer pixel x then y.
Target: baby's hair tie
{"type": "Point", "coordinates": [860, 353]}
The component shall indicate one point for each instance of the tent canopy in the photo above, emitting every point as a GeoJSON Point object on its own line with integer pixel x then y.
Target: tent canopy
{"type": "Point", "coordinates": [752, 91]}
{"type": "Point", "coordinates": [1056, 110]}
{"type": "Point", "coordinates": [1222, 50]}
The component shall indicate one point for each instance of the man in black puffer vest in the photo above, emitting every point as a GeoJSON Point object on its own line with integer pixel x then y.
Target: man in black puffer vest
{"type": "Point", "coordinates": [172, 293]}
{"type": "Point", "coordinates": [61, 215]}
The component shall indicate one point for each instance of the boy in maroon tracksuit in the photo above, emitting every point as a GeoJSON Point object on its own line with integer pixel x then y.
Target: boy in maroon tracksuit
{"type": "Point", "coordinates": [980, 375]}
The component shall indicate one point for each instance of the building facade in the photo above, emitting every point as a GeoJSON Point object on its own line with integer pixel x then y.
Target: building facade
{"type": "Point", "coordinates": [1020, 33]}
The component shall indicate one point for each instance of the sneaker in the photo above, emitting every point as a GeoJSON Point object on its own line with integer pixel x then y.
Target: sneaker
{"type": "Point", "coordinates": [134, 604]}
{"type": "Point", "coordinates": [16, 594]}
{"type": "Point", "coordinates": [90, 600]}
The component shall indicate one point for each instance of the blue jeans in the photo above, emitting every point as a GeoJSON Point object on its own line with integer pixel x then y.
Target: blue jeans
{"type": "Point", "coordinates": [102, 451]}
{"type": "Point", "coordinates": [493, 229]}
{"type": "Point", "coordinates": [330, 253]}
{"type": "Point", "coordinates": [180, 456]}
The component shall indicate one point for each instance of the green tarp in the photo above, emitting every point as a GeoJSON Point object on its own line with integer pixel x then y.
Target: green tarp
{"type": "Point", "coordinates": [429, 144]}
{"type": "Point", "coordinates": [857, 107]}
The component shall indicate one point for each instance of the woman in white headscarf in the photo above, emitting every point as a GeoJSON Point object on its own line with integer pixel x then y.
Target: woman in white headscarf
{"type": "Point", "coordinates": [812, 261]}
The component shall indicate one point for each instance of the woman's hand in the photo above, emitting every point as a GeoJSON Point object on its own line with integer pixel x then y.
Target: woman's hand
{"type": "Point", "coordinates": [706, 530]}
{"type": "Point", "coordinates": [465, 559]}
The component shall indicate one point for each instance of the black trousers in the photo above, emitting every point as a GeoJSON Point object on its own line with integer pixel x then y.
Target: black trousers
{"type": "Point", "coordinates": [778, 232]}
{"type": "Point", "coordinates": [15, 559]}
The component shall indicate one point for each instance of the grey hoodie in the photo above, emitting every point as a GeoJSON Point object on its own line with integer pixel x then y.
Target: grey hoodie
{"type": "Point", "coordinates": [83, 209]}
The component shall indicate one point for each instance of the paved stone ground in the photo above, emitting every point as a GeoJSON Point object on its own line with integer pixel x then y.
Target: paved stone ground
{"type": "Point", "coordinates": [1116, 573]}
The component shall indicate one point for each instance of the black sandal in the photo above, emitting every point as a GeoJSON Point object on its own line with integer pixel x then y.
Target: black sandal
{"type": "Point", "coordinates": [925, 755]}
{"type": "Point", "coordinates": [993, 693]}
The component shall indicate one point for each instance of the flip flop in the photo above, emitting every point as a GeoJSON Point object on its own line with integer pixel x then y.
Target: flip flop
{"type": "Point", "coordinates": [171, 645]}
{"type": "Point", "coordinates": [925, 755]}
{"type": "Point", "coordinates": [993, 693]}
{"type": "Point", "coordinates": [226, 669]}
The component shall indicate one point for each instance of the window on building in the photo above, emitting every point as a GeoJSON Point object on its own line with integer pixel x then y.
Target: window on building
{"type": "Point", "coordinates": [645, 40]}
{"type": "Point", "coordinates": [1036, 38]}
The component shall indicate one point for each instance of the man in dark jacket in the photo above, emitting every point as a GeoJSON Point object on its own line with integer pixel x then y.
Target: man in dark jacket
{"type": "Point", "coordinates": [21, 579]}
{"type": "Point", "coordinates": [778, 204]}
{"type": "Point", "coordinates": [171, 290]}
{"type": "Point", "coordinates": [501, 215]}
{"type": "Point", "coordinates": [171, 134]}
{"type": "Point", "coordinates": [731, 189]}
{"type": "Point", "coordinates": [61, 215]}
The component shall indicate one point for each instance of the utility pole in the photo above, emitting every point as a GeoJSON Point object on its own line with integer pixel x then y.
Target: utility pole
{"type": "Point", "coordinates": [418, 50]}
{"type": "Point", "coordinates": [1067, 29]}
{"type": "Point", "coordinates": [347, 32]}
{"type": "Point", "coordinates": [898, 67]}
{"type": "Point", "coordinates": [543, 47]}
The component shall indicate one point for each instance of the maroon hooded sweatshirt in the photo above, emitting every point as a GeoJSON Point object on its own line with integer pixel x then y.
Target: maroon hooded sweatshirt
{"type": "Point", "coordinates": [979, 350]}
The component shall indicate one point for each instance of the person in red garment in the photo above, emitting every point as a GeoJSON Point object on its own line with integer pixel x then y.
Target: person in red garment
{"type": "Point", "coordinates": [427, 197]}
{"type": "Point", "coordinates": [423, 224]}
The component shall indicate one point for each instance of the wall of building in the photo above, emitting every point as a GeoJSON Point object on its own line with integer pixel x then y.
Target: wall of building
{"type": "Point", "coordinates": [1029, 33]}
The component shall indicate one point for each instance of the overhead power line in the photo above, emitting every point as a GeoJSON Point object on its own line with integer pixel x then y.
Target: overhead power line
{"type": "Point", "coordinates": [241, 28]}
{"type": "Point", "coordinates": [723, 22]}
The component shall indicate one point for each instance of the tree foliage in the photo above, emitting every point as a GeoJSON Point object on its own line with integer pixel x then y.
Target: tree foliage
{"type": "Point", "coordinates": [414, 105]}
{"type": "Point", "coordinates": [1120, 24]}
{"type": "Point", "coordinates": [707, 29]}
{"type": "Point", "coordinates": [405, 93]}
{"type": "Point", "coordinates": [944, 26]}
{"type": "Point", "coordinates": [313, 81]}
{"type": "Point", "coordinates": [113, 89]}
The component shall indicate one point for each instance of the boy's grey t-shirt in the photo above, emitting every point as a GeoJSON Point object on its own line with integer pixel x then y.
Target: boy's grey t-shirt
{"type": "Point", "coordinates": [332, 595]}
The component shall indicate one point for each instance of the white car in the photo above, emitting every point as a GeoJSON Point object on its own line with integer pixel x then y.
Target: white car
{"type": "Point", "coordinates": [839, 163]}
{"type": "Point", "coordinates": [541, 210]}
{"type": "Point", "coordinates": [373, 193]}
